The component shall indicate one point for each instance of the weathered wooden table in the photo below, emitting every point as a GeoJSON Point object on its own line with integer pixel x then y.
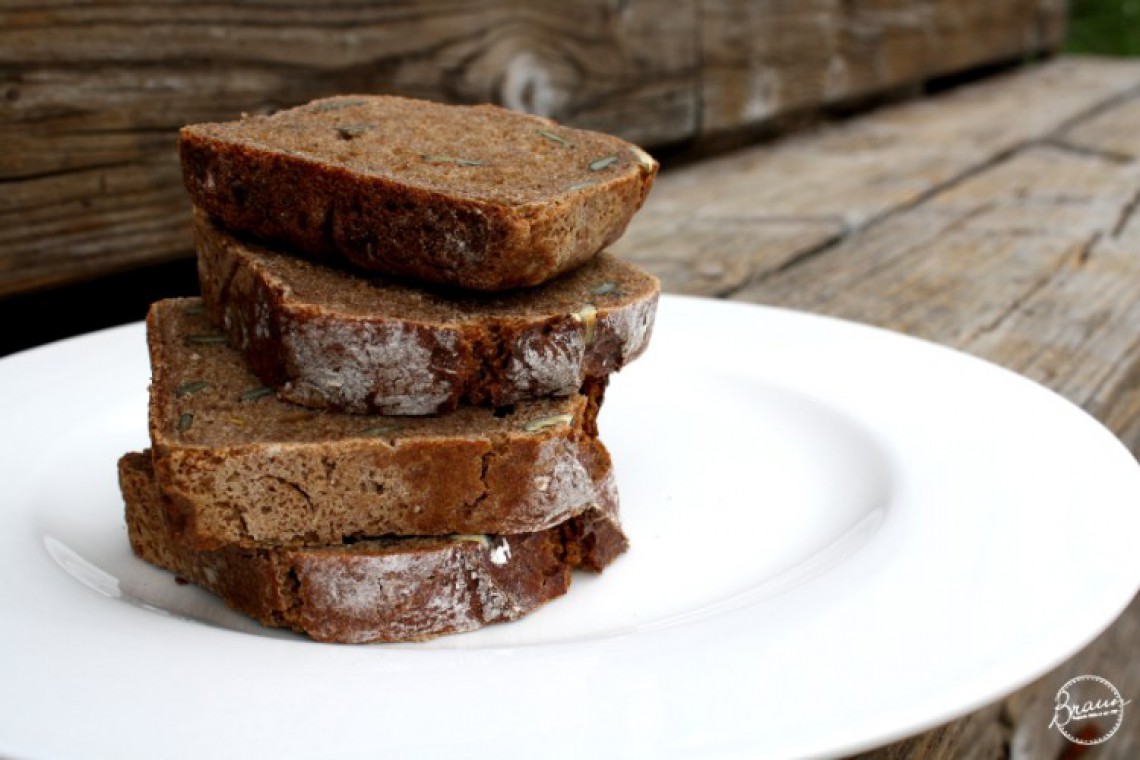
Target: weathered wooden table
{"type": "Point", "coordinates": [92, 94]}
{"type": "Point", "coordinates": [1000, 218]}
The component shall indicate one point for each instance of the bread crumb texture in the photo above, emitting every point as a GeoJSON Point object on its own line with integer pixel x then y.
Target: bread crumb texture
{"type": "Point", "coordinates": [477, 197]}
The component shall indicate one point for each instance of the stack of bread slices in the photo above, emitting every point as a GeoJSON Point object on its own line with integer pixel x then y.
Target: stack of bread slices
{"type": "Point", "coordinates": [378, 422]}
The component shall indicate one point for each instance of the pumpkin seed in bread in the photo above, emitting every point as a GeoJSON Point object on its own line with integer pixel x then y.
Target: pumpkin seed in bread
{"type": "Point", "coordinates": [239, 466]}
{"type": "Point", "coordinates": [327, 338]}
{"type": "Point", "coordinates": [477, 197]}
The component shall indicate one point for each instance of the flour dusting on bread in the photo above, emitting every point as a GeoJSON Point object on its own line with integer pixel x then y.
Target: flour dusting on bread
{"type": "Point", "coordinates": [562, 485]}
{"type": "Point", "coordinates": [331, 339]}
{"type": "Point", "coordinates": [546, 362]}
{"type": "Point", "coordinates": [386, 366]}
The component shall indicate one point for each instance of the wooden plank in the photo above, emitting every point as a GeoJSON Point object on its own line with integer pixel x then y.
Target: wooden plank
{"type": "Point", "coordinates": [84, 70]}
{"type": "Point", "coordinates": [1031, 263]}
{"type": "Point", "coordinates": [1076, 335]}
{"type": "Point", "coordinates": [863, 168]}
{"type": "Point", "coordinates": [983, 219]}
{"type": "Point", "coordinates": [60, 227]}
{"type": "Point", "coordinates": [715, 257]}
{"type": "Point", "coordinates": [98, 89]}
{"type": "Point", "coordinates": [800, 193]}
{"type": "Point", "coordinates": [92, 95]}
{"type": "Point", "coordinates": [765, 59]}
{"type": "Point", "coordinates": [1114, 133]}
{"type": "Point", "coordinates": [1004, 264]}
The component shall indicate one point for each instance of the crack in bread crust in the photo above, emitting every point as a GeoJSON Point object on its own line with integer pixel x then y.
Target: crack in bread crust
{"type": "Point", "coordinates": [256, 472]}
{"type": "Point", "coordinates": [329, 339]}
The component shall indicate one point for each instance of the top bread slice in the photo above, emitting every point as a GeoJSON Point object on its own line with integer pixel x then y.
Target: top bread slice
{"type": "Point", "coordinates": [476, 197]}
{"type": "Point", "coordinates": [330, 339]}
{"type": "Point", "coordinates": [238, 466]}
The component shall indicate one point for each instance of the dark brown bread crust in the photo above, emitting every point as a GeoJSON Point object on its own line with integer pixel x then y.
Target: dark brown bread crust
{"type": "Point", "coordinates": [374, 590]}
{"type": "Point", "coordinates": [241, 467]}
{"type": "Point", "coordinates": [326, 338]}
{"type": "Point", "coordinates": [472, 196]}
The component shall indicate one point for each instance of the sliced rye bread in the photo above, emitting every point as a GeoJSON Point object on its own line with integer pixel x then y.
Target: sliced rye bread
{"type": "Point", "coordinates": [240, 466]}
{"type": "Point", "coordinates": [327, 338]}
{"type": "Point", "coordinates": [398, 589]}
{"type": "Point", "coordinates": [476, 197]}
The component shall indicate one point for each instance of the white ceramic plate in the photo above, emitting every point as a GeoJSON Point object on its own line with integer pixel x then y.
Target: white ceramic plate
{"type": "Point", "coordinates": [840, 536]}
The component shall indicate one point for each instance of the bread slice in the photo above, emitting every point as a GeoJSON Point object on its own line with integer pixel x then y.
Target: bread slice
{"type": "Point", "coordinates": [242, 467]}
{"type": "Point", "coordinates": [398, 589]}
{"type": "Point", "coordinates": [329, 339]}
{"type": "Point", "coordinates": [472, 196]}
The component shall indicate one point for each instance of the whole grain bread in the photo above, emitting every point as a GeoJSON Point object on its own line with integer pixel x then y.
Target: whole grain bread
{"type": "Point", "coordinates": [327, 338]}
{"type": "Point", "coordinates": [240, 466]}
{"type": "Point", "coordinates": [472, 196]}
{"type": "Point", "coordinates": [398, 589]}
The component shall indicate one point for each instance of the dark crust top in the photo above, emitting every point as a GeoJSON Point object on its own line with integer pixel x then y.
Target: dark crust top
{"type": "Point", "coordinates": [530, 200]}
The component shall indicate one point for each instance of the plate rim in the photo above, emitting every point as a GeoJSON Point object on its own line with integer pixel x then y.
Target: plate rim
{"type": "Point", "coordinates": [48, 351]}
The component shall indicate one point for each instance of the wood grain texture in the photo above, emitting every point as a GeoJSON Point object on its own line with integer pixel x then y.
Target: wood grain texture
{"type": "Point", "coordinates": [92, 93]}
{"type": "Point", "coordinates": [1003, 220]}
{"type": "Point", "coordinates": [767, 58]}
{"type": "Point", "coordinates": [804, 191]}
{"type": "Point", "coordinates": [1114, 134]}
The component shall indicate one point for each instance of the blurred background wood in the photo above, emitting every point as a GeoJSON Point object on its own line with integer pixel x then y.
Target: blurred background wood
{"type": "Point", "coordinates": [1001, 218]}
{"type": "Point", "coordinates": [92, 93]}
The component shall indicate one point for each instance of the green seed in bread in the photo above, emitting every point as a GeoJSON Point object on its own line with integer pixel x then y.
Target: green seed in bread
{"type": "Point", "coordinates": [331, 339]}
{"type": "Point", "coordinates": [476, 197]}
{"type": "Point", "coordinates": [240, 466]}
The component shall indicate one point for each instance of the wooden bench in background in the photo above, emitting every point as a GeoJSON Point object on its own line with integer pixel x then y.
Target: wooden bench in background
{"type": "Point", "coordinates": [1001, 218]}
{"type": "Point", "coordinates": [92, 94]}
